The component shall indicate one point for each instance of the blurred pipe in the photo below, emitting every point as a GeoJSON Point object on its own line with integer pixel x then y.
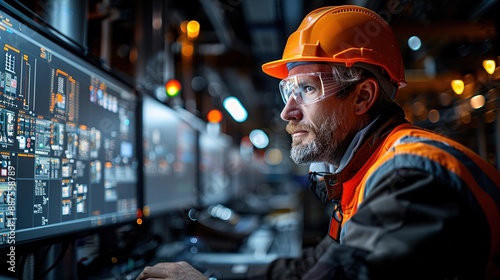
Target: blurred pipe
{"type": "Point", "coordinates": [69, 17]}
{"type": "Point", "coordinates": [482, 8]}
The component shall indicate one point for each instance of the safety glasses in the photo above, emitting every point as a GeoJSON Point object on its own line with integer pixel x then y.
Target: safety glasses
{"type": "Point", "coordinates": [307, 88]}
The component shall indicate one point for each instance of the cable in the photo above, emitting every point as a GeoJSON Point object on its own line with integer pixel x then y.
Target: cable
{"type": "Point", "coordinates": [22, 260]}
{"type": "Point", "coordinates": [40, 262]}
{"type": "Point", "coordinates": [66, 246]}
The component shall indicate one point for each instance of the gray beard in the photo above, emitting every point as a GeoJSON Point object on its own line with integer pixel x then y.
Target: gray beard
{"type": "Point", "coordinates": [318, 150]}
{"type": "Point", "coordinates": [326, 147]}
{"type": "Point", "coordinates": [304, 154]}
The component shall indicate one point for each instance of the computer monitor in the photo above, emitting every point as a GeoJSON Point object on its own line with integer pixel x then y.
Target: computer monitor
{"type": "Point", "coordinates": [170, 159]}
{"type": "Point", "coordinates": [68, 145]}
{"type": "Point", "coordinates": [215, 186]}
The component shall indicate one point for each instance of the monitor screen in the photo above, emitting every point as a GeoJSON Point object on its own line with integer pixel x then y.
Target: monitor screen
{"type": "Point", "coordinates": [170, 151]}
{"type": "Point", "coordinates": [214, 179]}
{"type": "Point", "coordinates": [68, 144]}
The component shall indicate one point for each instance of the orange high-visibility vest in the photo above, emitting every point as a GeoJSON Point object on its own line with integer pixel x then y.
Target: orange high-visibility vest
{"type": "Point", "coordinates": [480, 182]}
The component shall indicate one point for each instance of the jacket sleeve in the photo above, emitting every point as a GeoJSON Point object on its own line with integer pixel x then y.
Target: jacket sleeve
{"type": "Point", "coordinates": [412, 225]}
{"type": "Point", "coordinates": [295, 268]}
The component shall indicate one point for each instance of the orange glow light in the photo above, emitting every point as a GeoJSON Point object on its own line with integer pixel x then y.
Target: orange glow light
{"type": "Point", "coordinates": [214, 116]}
{"type": "Point", "coordinates": [489, 65]}
{"type": "Point", "coordinates": [193, 29]}
{"type": "Point", "coordinates": [458, 86]}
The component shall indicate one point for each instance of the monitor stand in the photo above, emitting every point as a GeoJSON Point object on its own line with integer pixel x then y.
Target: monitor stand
{"type": "Point", "coordinates": [54, 261]}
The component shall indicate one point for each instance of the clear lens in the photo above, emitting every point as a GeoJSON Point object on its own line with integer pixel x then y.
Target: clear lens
{"type": "Point", "coordinates": [309, 87]}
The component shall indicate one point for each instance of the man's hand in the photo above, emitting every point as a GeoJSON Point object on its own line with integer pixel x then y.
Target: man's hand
{"type": "Point", "coordinates": [171, 270]}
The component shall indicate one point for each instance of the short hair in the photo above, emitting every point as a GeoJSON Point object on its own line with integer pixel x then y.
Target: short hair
{"type": "Point", "coordinates": [350, 76]}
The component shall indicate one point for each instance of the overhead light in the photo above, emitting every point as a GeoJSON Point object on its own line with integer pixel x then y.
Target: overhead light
{"type": "Point", "coordinates": [489, 65]}
{"type": "Point", "coordinates": [234, 107]}
{"type": "Point", "coordinates": [259, 138]}
{"type": "Point", "coordinates": [458, 86]}
{"type": "Point", "coordinates": [477, 101]}
{"type": "Point", "coordinates": [193, 29]}
{"type": "Point", "coordinates": [414, 43]}
{"type": "Point", "coordinates": [214, 116]}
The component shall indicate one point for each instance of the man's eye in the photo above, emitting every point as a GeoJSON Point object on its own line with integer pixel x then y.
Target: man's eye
{"type": "Point", "coordinates": [309, 92]}
{"type": "Point", "coordinates": [309, 89]}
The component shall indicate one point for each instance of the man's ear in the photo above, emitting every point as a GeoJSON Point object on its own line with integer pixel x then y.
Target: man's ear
{"type": "Point", "coordinates": [367, 94]}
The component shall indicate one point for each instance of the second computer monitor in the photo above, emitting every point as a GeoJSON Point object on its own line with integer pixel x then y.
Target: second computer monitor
{"type": "Point", "coordinates": [170, 157]}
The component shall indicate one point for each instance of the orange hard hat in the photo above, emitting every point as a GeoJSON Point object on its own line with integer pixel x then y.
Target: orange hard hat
{"type": "Point", "coordinates": [349, 35]}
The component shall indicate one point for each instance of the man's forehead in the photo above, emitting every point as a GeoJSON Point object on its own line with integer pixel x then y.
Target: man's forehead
{"type": "Point", "coordinates": [309, 68]}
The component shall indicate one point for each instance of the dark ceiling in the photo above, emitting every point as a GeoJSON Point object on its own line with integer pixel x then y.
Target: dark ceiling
{"type": "Point", "coordinates": [237, 36]}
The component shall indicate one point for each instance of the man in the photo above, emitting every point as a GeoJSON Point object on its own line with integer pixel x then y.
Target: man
{"type": "Point", "coordinates": [408, 203]}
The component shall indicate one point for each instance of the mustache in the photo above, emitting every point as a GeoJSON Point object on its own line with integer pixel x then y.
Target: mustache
{"type": "Point", "coordinates": [293, 127]}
